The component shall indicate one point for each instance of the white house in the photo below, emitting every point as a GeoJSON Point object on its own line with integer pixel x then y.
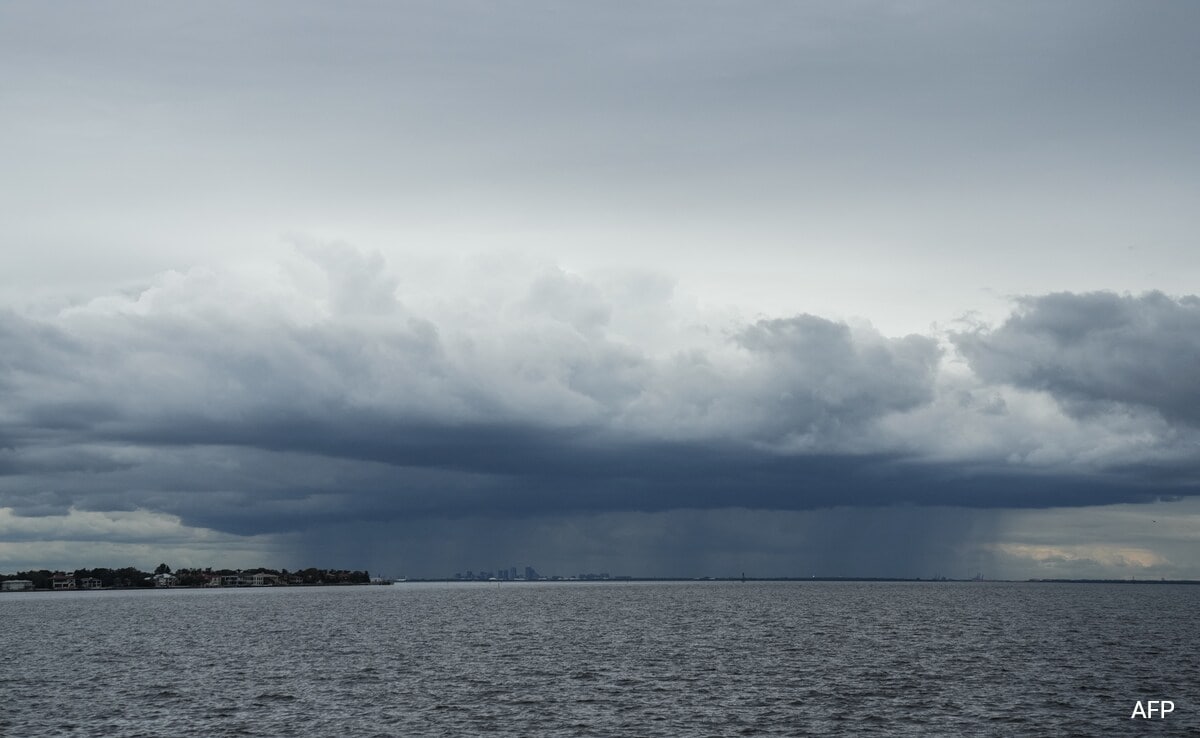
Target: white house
{"type": "Point", "coordinates": [62, 581]}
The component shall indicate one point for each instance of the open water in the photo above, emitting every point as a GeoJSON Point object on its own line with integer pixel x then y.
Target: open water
{"type": "Point", "coordinates": [603, 659]}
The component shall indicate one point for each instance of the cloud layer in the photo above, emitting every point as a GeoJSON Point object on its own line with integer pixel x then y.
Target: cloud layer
{"type": "Point", "coordinates": [317, 391]}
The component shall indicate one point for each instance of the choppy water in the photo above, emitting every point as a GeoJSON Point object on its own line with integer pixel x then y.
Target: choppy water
{"type": "Point", "coordinates": [606, 659]}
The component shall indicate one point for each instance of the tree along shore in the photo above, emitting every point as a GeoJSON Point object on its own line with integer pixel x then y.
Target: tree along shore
{"type": "Point", "coordinates": [162, 576]}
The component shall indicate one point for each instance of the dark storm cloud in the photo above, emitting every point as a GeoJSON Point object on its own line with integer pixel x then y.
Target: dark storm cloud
{"type": "Point", "coordinates": [1092, 351]}
{"type": "Point", "coordinates": [820, 375]}
{"type": "Point", "coordinates": [253, 418]}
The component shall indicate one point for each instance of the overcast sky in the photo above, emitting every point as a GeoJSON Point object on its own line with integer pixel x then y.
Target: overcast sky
{"type": "Point", "coordinates": [673, 288]}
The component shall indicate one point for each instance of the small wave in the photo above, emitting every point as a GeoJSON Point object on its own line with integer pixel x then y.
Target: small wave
{"type": "Point", "coordinates": [275, 697]}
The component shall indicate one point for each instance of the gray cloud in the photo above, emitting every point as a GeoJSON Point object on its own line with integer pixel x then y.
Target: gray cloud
{"type": "Point", "coordinates": [309, 402]}
{"type": "Point", "coordinates": [824, 377]}
{"type": "Point", "coordinates": [1092, 351]}
{"type": "Point", "coordinates": [555, 413]}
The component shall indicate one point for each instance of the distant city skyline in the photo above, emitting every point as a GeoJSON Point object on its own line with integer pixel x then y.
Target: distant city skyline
{"type": "Point", "coordinates": [674, 289]}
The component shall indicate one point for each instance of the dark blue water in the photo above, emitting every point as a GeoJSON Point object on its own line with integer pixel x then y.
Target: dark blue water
{"type": "Point", "coordinates": [605, 659]}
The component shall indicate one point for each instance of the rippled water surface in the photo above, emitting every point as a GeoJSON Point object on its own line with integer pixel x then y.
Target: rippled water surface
{"type": "Point", "coordinates": [576, 659]}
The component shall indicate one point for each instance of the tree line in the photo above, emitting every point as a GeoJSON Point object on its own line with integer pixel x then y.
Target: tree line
{"type": "Point", "coordinates": [192, 577]}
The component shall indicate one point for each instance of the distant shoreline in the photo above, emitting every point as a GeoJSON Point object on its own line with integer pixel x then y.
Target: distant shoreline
{"type": "Point", "coordinates": [451, 580]}
{"type": "Point", "coordinates": [623, 579]}
{"type": "Point", "coordinates": [134, 588]}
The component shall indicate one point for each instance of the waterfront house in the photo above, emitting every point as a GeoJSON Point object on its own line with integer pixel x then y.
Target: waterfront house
{"type": "Point", "coordinates": [225, 580]}
{"type": "Point", "coordinates": [90, 583]}
{"type": "Point", "coordinates": [62, 581]}
{"type": "Point", "coordinates": [16, 585]}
